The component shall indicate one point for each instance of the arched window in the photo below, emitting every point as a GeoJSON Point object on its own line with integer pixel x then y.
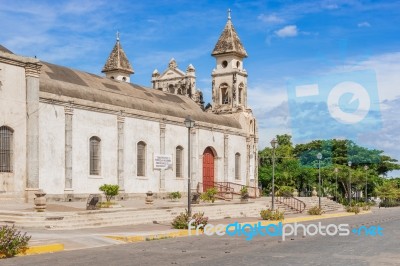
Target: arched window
{"type": "Point", "coordinates": [141, 158]}
{"type": "Point", "coordinates": [240, 96]}
{"type": "Point", "coordinates": [6, 149]}
{"type": "Point", "coordinates": [237, 166]}
{"type": "Point", "coordinates": [179, 161]}
{"type": "Point", "coordinates": [224, 93]}
{"type": "Point", "coordinates": [95, 155]}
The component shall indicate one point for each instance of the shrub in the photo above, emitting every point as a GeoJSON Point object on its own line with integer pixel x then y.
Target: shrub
{"type": "Point", "coordinates": [272, 215]}
{"type": "Point", "coordinates": [109, 190]}
{"type": "Point", "coordinates": [354, 209]}
{"type": "Point", "coordinates": [12, 242]}
{"type": "Point", "coordinates": [209, 195]}
{"type": "Point", "coordinates": [364, 206]}
{"type": "Point", "coordinates": [315, 211]}
{"type": "Point", "coordinates": [182, 220]}
{"type": "Point", "coordinates": [175, 195]}
{"type": "Point", "coordinates": [244, 193]}
{"type": "Point", "coordinates": [285, 191]}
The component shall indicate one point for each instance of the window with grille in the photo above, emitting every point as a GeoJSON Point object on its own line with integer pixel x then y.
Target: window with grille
{"type": "Point", "coordinates": [237, 166]}
{"type": "Point", "coordinates": [141, 159]}
{"type": "Point", "coordinates": [95, 155]}
{"type": "Point", "coordinates": [6, 149]}
{"type": "Point", "coordinates": [179, 161]}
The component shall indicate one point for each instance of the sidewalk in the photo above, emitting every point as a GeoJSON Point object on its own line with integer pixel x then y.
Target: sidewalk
{"type": "Point", "coordinates": [45, 241]}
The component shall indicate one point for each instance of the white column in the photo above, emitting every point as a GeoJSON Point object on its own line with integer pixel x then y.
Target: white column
{"type": "Point", "coordinates": [162, 151]}
{"type": "Point", "coordinates": [69, 111]}
{"type": "Point", "coordinates": [121, 135]}
{"type": "Point", "coordinates": [32, 72]}
{"type": "Point", "coordinates": [226, 157]}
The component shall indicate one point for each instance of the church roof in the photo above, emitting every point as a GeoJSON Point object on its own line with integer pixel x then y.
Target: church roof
{"type": "Point", "coordinates": [5, 50]}
{"type": "Point", "coordinates": [118, 60]}
{"type": "Point", "coordinates": [66, 84]}
{"type": "Point", "coordinates": [229, 42]}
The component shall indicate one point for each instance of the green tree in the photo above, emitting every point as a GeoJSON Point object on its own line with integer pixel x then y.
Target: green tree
{"type": "Point", "coordinates": [297, 166]}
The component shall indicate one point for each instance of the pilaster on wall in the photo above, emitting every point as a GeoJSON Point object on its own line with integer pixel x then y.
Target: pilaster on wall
{"type": "Point", "coordinates": [121, 135]}
{"type": "Point", "coordinates": [248, 161]}
{"type": "Point", "coordinates": [256, 160]}
{"type": "Point", "coordinates": [32, 72]}
{"type": "Point", "coordinates": [226, 157]}
{"type": "Point", "coordinates": [69, 111]}
{"type": "Point", "coordinates": [193, 158]}
{"type": "Point", "coordinates": [162, 151]}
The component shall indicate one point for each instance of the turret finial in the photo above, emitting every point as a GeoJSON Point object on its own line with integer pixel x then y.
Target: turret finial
{"type": "Point", "coordinates": [117, 35]}
{"type": "Point", "coordinates": [229, 14]}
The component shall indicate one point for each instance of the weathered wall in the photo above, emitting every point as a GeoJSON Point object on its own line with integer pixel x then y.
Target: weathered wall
{"type": "Point", "coordinates": [137, 130]}
{"type": "Point", "coordinates": [13, 114]}
{"type": "Point", "coordinates": [85, 125]}
{"type": "Point", "coordinates": [51, 148]}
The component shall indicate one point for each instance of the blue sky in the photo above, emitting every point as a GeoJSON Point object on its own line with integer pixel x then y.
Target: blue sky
{"type": "Point", "coordinates": [286, 41]}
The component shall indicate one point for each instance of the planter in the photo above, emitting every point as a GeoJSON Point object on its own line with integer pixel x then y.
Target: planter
{"type": "Point", "coordinates": [149, 197]}
{"type": "Point", "coordinates": [40, 201]}
{"type": "Point", "coordinates": [195, 198]}
{"type": "Point", "coordinates": [314, 192]}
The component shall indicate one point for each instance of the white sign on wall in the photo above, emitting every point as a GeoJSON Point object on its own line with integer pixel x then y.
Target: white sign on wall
{"type": "Point", "coordinates": [162, 161]}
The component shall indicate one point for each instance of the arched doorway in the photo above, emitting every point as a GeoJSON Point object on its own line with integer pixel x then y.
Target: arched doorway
{"type": "Point", "coordinates": [208, 168]}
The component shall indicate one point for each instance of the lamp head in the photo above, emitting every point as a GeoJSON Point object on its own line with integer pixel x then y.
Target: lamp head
{"type": "Point", "coordinates": [274, 142]}
{"type": "Point", "coordinates": [189, 122]}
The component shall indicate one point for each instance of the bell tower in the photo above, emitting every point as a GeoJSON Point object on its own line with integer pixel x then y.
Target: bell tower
{"type": "Point", "coordinates": [229, 78]}
{"type": "Point", "coordinates": [117, 65]}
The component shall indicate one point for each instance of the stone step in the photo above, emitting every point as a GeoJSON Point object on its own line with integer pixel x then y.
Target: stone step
{"type": "Point", "coordinates": [126, 216]}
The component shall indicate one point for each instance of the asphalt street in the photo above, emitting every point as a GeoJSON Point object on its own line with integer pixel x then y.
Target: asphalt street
{"type": "Point", "coordinates": [203, 250]}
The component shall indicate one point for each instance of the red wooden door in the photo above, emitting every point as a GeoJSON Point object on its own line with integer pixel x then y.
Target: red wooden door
{"type": "Point", "coordinates": [208, 169]}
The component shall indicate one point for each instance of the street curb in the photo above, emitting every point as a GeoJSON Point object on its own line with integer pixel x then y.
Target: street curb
{"type": "Point", "coordinates": [41, 249]}
{"type": "Point", "coordinates": [183, 233]}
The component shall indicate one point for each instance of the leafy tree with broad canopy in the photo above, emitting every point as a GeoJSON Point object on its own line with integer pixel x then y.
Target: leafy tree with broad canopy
{"type": "Point", "coordinates": [297, 166]}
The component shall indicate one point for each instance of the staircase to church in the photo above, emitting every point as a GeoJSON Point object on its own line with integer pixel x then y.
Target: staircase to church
{"type": "Point", "coordinates": [327, 205]}
{"type": "Point", "coordinates": [293, 205]}
{"type": "Point", "coordinates": [126, 216]}
{"type": "Point", "coordinates": [228, 190]}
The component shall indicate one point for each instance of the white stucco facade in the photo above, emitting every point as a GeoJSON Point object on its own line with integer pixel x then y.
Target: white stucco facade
{"type": "Point", "coordinates": [53, 112]}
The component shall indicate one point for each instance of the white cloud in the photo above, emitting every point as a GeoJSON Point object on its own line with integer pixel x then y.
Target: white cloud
{"type": "Point", "coordinates": [287, 31]}
{"type": "Point", "coordinates": [270, 19]}
{"type": "Point", "coordinates": [363, 24]}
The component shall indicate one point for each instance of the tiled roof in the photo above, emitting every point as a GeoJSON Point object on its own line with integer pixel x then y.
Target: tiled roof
{"type": "Point", "coordinates": [118, 60]}
{"type": "Point", "coordinates": [229, 42]}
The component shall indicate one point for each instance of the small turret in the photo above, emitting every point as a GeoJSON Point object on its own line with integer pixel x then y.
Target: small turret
{"type": "Point", "coordinates": [117, 66]}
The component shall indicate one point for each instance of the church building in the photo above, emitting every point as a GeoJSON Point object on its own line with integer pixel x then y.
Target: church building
{"type": "Point", "coordinates": [68, 131]}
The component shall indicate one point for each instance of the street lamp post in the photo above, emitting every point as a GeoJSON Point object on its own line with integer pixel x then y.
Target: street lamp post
{"type": "Point", "coordinates": [336, 187]}
{"type": "Point", "coordinates": [189, 123]}
{"type": "Point", "coordinates": [366, 183]}
{"type": "Point", "coordinates": [349, 164]}
{"type": "Point", "coordinates": [273, 144]}
{"type": "Point", "coordinates": [319, 157]}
